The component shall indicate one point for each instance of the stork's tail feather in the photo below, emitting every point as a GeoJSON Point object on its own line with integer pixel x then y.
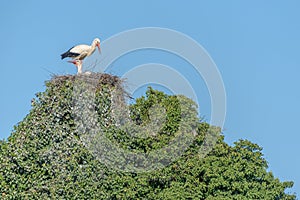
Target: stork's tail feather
{"type": "Point", "coordinates": [63, 56]}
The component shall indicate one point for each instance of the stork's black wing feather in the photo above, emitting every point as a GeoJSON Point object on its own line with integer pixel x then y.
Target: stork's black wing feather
{"type": "Point", "coordinates": [69, 54]}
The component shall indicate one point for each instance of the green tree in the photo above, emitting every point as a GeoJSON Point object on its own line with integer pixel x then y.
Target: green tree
{"type": "Point", "coordinates": [45, 157]}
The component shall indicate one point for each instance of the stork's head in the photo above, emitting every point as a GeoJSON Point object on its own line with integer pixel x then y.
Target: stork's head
{"type": "Point", "coordinates": [96, 42]}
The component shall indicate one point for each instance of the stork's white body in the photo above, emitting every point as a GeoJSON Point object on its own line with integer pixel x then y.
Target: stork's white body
{"type": "Point", "coordinates": [83, 50]}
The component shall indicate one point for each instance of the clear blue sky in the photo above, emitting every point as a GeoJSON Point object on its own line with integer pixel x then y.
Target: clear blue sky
{"type": "Point", "coordinates": [255, 45]}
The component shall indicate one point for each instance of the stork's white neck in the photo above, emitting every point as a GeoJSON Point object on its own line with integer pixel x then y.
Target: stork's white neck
{"type": "Point", "coordinates": [79, 68]}
{"type": "Point", "coordinates": [94, 44]}
{"type": "Point", "coordinates": [92, 49]}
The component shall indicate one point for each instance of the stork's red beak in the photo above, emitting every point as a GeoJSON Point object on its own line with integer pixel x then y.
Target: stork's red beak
{"type": "Point", "coordinates": [72, 61]}
{"type": "Point", "coordinates": [99, 49]}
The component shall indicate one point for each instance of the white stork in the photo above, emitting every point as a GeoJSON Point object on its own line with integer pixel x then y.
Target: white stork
{"type": "Point", "coordinates": [79, 52]}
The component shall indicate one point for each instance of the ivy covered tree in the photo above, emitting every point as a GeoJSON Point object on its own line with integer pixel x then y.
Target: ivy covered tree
{"type": "Point", "coordinates": [46, 157]}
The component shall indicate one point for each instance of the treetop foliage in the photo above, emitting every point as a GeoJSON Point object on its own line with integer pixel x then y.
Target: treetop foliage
{"type": "Point", "coordinates": [46, 156]}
